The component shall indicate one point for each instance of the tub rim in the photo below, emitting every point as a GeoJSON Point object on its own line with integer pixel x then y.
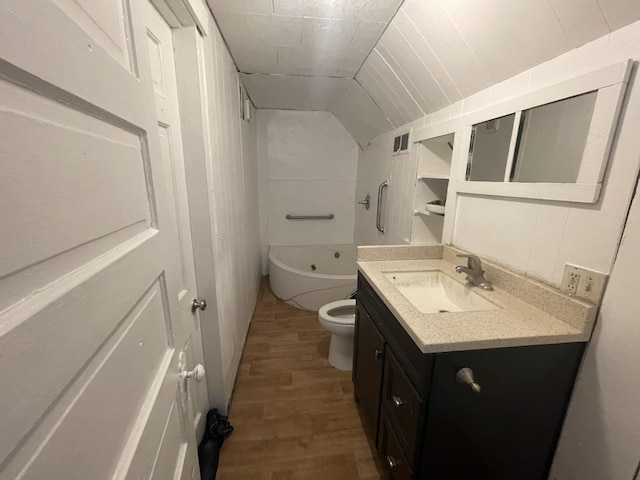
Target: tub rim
{"type": "Point", "coordinates": [273, 258]}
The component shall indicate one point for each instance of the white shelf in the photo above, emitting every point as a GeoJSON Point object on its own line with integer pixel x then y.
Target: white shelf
{"type": "Point", "coordinates": [433, 176]}
{"type": "Point", "coordinates": [426, 213]}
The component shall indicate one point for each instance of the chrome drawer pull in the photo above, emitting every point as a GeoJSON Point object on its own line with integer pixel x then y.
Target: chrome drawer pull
{"type": "Point", "coordinates": [397, 401]}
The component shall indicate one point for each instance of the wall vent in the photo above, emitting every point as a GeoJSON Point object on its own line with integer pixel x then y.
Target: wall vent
{"type": "Point", "coordinates": [401, 144]}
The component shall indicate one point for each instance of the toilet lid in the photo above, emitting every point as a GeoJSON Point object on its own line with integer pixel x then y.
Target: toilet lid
{"type": "Point", "coordinates": [342, 312]}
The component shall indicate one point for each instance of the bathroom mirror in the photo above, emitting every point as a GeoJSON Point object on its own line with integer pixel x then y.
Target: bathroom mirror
{"type": "Point", "coordinates": [551, 144]}
{"type": "Point", "coordinates": [489, 149]}
{"type": "Point", "coordinates": [551, 140]}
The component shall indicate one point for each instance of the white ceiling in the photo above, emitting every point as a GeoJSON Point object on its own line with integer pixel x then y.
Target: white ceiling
{"type": "Point", "coordinates": [329, 38]}
{"type": "Point", "coordinates": [344, 97]}
{"type": "Point", "coordinates": [433, 53]}
{"type": "Point", "coordinates": [436, 52]}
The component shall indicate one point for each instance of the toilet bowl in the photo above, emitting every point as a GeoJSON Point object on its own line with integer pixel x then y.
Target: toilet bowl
{"type": "Point", "coordinates": [340, 319]}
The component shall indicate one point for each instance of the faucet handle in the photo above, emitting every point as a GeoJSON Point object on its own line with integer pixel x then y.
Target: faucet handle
{"type": "Point", "coordinates": [472, 260]}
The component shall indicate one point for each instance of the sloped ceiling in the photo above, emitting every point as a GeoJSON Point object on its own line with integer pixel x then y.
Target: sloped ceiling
{"type": "Point", "coordinates": [436, 52]}
{"type": "Point", "coordinates": [432, 53]}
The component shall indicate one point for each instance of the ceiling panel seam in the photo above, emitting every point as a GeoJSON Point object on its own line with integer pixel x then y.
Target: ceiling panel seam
{"type": "Point", "coordinates": [390, 110]}
{"type": "Point", "coordinates": [464, 39]}
{"type": "Point", "coordinates": [435, 55]}
{"type": "Point", "coordinates": [379, 37]}
{"type": "Point", "coordinates": [398, 94]}
{"type": "Point", "coordinates": [373, 101]}
{"type": "Point", "coordinates": [383, 49]}
{"type": "Point", "coordinates": [396, 103]}
{"type": "Point", "coordinates": [393, 111]}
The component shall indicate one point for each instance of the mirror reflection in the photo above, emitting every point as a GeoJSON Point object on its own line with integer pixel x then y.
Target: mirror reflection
{"type": "Point", "coordinates": [489, 149]}
{"type": "Point", "coordinates": [552, 139]}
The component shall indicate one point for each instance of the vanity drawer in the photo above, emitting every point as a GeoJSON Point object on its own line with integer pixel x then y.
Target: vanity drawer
{"type": "Point", "coordinates": [404, 406]}
{"type": "Point", "coordinates": [393, 458]}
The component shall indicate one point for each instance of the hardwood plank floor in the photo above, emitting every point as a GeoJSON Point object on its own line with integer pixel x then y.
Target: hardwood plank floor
{"type": "Point", "coordinates": [294, 415]}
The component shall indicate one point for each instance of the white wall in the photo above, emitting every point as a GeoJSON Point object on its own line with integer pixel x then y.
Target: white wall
{"type": "Point", "coordinates": [232, 180]}
{"type": "Point", "coordinates": [373, 169]}
{"type": "Point", "coordinates": [601, 435]}
{"type": "Point", "coordinates": [535, 237]}
{"type": "Point", "coordinates": [376, 164]}
{"type": "Point", "coordinates": [311, 163]}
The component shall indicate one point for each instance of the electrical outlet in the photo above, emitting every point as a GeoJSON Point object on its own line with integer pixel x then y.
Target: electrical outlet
{"type": "Point", "coordinates": [571, 279]}
{"type": "Point", "coordinates": [583, 283]}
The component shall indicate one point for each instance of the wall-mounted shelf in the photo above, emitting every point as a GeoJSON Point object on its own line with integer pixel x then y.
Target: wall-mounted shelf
{"type": "Point", "coordinates": [433, 176]}
{"type": "Point", "coordinates": [425, 212]}
{"type": "Point", "coordinates": [434, 165]}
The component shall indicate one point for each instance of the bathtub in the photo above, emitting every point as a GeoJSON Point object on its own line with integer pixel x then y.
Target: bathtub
{"type": "Point", "coordinates": [308, 277]}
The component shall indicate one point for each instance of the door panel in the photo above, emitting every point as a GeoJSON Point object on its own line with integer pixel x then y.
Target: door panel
{"type": "Point", "coordinates": [89, 274]}
{"type": "Point", "coordinates": [161, 53]}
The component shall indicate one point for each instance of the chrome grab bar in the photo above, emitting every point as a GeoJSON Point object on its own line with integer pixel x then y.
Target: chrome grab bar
{"type": "Point", "coordinates": [381, 188]}
{"type": "Point", "coordinates": [309, 217]}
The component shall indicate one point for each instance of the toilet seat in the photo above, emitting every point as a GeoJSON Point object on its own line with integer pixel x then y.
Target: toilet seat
{"type": "Point", "coordinates": [341, 312]}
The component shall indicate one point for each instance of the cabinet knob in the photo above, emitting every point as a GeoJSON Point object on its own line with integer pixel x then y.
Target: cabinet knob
{"type": "Point", "coordinates": [391, 461]}
{"type": "Point", "coordinates": [397, 401]}
{"type": "Point", "coordinates": [379, 354]}
{"type": "Point", "coordinates": [465, 375]}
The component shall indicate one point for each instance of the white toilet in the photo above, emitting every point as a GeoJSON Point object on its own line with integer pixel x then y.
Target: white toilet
{"type": "Point", "coordinates": [340, 319]}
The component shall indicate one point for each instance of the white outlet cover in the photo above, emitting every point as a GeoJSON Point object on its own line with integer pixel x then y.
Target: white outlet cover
{"type": "Point", "coordinates": [590, 285]}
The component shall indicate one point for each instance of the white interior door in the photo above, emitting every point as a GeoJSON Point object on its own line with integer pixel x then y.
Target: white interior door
{"type": "Point", "coordinates": [161, 56]}
{"type": "Point", "coordinates": [91, 329]}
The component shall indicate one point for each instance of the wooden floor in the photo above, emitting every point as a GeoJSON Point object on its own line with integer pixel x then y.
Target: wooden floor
{"type": "Point", "coordinates": [294, 415]}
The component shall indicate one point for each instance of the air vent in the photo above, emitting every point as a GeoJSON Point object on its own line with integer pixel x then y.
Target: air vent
{"type": "Point", "coordinates": [401, 144]}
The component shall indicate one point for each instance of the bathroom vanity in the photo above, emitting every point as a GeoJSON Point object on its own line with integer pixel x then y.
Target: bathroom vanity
{"type": "Point", "coordinates": [469, 394]}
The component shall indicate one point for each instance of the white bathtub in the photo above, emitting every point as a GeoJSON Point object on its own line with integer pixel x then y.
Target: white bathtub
{"type": "Point", "coordinates": [308, 277]}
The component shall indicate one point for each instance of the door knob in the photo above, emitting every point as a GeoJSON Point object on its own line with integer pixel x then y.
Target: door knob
{"type": "Point", "coordinates": [397, 401]}
{"type": "Point", "coordinates": [391, 461]}
{"type": "Point", "coordinates": [378, 354]}
{"type": "Point", "coordinates": [465, 375]}
{"type": "Point", "coordinates": [197, 373]}
{"type": "Point", "coordinates": [195, 305]}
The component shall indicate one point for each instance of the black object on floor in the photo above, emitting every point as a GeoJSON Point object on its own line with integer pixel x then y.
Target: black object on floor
{"type": "Point", "coordinates": [218, 428]}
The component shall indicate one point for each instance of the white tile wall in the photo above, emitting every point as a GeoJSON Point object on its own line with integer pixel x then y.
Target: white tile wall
{"type": "Point", "coordinates": [311, 163]}
{"type": "Point", "coordinates": [373, 168]}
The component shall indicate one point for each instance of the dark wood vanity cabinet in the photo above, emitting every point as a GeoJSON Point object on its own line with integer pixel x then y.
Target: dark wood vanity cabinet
{"type": "Point", "coordinates": [369, 356]}
{"type": "Point", "coordinates": [429, 426]}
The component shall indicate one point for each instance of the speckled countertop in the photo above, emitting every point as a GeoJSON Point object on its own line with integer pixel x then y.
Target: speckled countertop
{"type": "Point", "coordinates": [530, 313]}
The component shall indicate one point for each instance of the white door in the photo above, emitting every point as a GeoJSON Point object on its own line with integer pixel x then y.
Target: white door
{"type": "Point", "coordinates": [90, 325]}
{"type": "Point", "coordinates": [161, 56]}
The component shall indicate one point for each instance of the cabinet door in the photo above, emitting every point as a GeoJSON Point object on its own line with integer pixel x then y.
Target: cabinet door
{"type": "Point", "coordinates": [510, 428]}
{"type": "Point", "coordinates": [402, 404]}
{"type": "Point", "coordinates": [368, 361]}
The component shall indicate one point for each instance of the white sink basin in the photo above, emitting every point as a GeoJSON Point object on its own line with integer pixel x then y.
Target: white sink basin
{"type": "Point", "coordinates": [432, 291]}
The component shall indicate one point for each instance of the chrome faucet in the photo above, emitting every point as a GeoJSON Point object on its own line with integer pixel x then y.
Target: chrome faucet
{"type": "Point", "coordinates": [475, 274]}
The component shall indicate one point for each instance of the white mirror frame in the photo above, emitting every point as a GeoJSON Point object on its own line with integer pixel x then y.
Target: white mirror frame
{"type": "Point", "coordinates": [610, 82]}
